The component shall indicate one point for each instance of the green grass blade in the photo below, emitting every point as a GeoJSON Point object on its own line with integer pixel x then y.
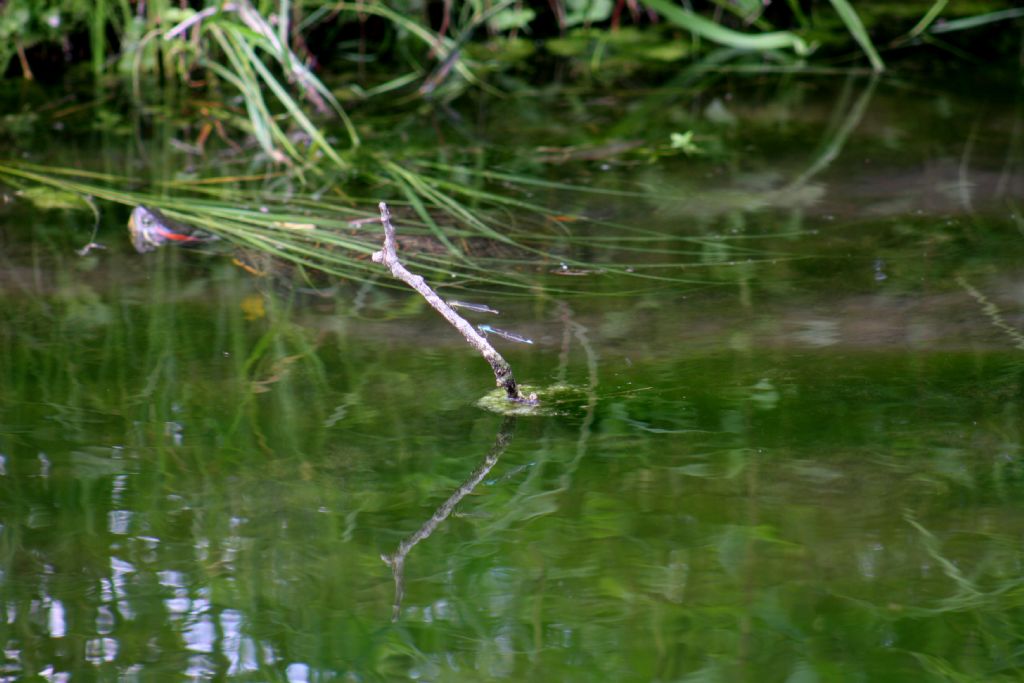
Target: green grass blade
{"type": "Point", "coordinates": [705, 28]}
{"type": "Point", "coordinates": [976, 21]}
{"type": "Point", "coordinates": [264, 127]}
{"type": "Point", "coordinates": [442, 45]}
{"type": "Point", "coordinates": [856, 28]}
{"type": "Point", "coordinates": [291, 63]}
{"type": "Point", "coordinates": [98, 36]}
{"type": "Point", "coordinates": [314, 233]}
{"type": "Point", "coordinates": [289, 102]}
{"type": "Point", "coordinates": [928, 18]}
{"type": "Point", "coordinates": [421, 211]}
{"type": "Point", "coordinates": [448, 203]}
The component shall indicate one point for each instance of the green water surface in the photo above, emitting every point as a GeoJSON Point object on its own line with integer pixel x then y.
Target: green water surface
{"type": "Point", "coordinates": [792, 451]}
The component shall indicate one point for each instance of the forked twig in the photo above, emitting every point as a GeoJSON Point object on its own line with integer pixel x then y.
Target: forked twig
{"type": "Point", "coordinates": [388, 256]}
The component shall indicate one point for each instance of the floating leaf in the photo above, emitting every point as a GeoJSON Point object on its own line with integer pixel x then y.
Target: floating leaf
{"type": "Point", "coordinates": [684, 142]}
{"type": "Point", "coordinates": [47, 198]}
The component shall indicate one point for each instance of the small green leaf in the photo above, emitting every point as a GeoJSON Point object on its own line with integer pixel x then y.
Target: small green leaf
{"type": "Point", "coordinates": [684, 142]}
{"type": "Point", "coordinates": [48, 199]}
{"type": "Point", "coordinates": [511, 18]}
{"type": "Point", "coordinates": [587, 11]}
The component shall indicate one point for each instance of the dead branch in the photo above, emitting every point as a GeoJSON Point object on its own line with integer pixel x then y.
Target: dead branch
{"type": "Point", "coordinates": [388, 256]}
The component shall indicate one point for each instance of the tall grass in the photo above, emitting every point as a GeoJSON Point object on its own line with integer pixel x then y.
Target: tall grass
{"type": "Point", "coordinates": [259, 88]}
{"type": "Point", "coordinates": [495, 220]}
{"type": "Point", "coordinates": [424, 46]}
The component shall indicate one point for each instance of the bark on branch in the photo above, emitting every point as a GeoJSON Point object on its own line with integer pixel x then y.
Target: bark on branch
{"type": "Point", "coordinates": [388, 256]}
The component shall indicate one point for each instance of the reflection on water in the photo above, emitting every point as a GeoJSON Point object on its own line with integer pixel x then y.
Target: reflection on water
{"type": "Point", "coordinates": [802, 464]}
{"type": "Point", "coordinates": [396, 560]}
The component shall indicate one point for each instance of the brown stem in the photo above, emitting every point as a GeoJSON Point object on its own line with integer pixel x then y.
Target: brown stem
{"type": "Point", "coordinates": [388, 256]}
{"type": "Point", "coordinates": [26, 70]}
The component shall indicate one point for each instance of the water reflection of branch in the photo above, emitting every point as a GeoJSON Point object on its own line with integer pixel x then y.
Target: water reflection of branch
{"type": "Point", "coordinates": [579, 331]}
{"type": "Point", "coordinates": [528, 496]}
{"type": "Point", "coordinates": [396, 560]}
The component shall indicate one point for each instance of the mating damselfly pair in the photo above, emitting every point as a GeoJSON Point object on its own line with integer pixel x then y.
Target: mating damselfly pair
{"type": "Point", "coordinates": [486, 330]}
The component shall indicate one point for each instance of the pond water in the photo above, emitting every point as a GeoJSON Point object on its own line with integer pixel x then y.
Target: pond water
{"type": "Point", "coordinates": [792, 451]}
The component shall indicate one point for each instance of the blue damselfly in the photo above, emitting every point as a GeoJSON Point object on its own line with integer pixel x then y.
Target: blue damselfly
{"type": "Point", "coordinates": [505, 334]}
{"type": "Point", "coordinates": [479, 308]}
